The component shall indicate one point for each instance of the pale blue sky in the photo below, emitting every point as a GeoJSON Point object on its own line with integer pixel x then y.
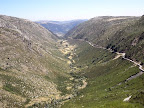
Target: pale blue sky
{"type": "Point", "coordinates": [70, 9]}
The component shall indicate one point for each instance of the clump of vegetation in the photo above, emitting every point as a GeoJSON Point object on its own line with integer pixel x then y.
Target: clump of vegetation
{"type": "Point", "coordinates": [138, 98]}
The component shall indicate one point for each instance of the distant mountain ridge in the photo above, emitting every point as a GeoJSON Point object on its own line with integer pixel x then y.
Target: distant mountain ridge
{"type": "Point", "coordinates": [60, 28]}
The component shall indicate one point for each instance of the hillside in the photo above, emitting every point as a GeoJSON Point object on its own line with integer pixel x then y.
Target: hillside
{"type": "Point", "coordinates": [60, 28]}
{"type": "Point", "coordinates": [129, 40]}
{"type": "Point", "coordinates": [99, 65]}
{"type": "Point", "coordinates": [96, 28]}
{"type": "Point", "coordinates": [112, 81]}
{"type": "Point", "coordinates": [30, 63]}
{"type": "Point", "coordinates": [123, 34]}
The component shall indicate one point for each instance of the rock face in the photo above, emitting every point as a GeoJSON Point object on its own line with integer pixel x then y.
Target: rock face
{"type": "Point", "coordinates": [60, 28]}
{"type": "Point", "coordinates": [28, 63]}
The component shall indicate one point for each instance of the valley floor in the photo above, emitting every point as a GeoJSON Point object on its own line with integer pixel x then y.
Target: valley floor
{"type": "Point", "coordinates": [96, 78]}
{"type": "Point", "coordinates": [111, 79]}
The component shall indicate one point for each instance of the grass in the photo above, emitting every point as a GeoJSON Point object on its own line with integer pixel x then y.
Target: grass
{"type": "Point", "coordinates": [62, 83]}
{"type": "Point", "coordinates": [138, 98]}
{"type": "Point", "coordinates": [14, 85]}
{"type": "Point", "coordinates": [125, 35]}
{"type": "Point", "coordinates": [44, 65]}
{"type": "Point", "coordinates": [103, 76]}
{"type": "Point", "coordinates": [25, 63]}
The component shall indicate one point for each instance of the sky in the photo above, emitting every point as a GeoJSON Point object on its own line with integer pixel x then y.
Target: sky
{"type": "Point", "coordinates": [70, 9]}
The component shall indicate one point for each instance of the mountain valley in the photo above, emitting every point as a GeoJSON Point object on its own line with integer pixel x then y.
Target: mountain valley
{"type": "Point", "coordinates": [60, 28]}
{"type": "Point", "coordinates": [98, 64]}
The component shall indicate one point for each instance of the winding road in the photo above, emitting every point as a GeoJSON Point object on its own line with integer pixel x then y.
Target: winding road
{"type": "Point", "coordinates": [124, 57]}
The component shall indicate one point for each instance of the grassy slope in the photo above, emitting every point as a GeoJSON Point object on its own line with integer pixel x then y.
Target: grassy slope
{"type": "Point", "coordinates": [30, 67]}
{"type": "Point", "coordinates": [124, 34]}
{"type": "Point", "coordinates": [130, 40]}
{"type": "Point", "coordinates": [99, 29]}
{"type": "Point", "coordinates": [30, 62]}
{"type": "Point", "coordinates": [103, 74]}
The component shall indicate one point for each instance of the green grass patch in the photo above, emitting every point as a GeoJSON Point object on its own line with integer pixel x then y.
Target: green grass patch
{"type": "Point", "coordinates": [106, 81]}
